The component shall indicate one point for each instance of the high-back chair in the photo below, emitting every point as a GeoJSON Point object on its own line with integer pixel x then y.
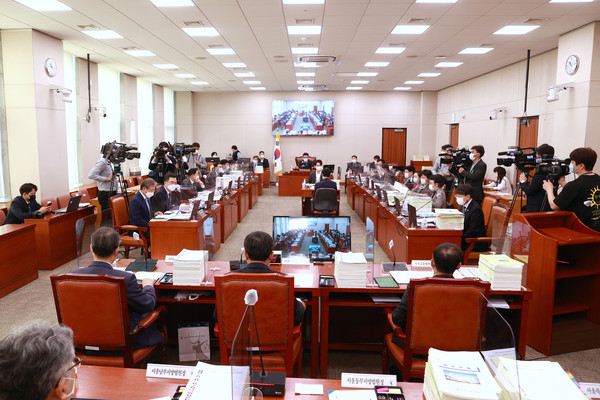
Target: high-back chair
{"type": "Point", "coordinates": [2, 217]}
{"type": "Point", "coordinates": [298, 159]}
{"type": "Point", "coordinates": [63, 200]}
{"type": "Point", "coordinates": [495, 232]}
{"type": "Point", "coordinates": [325, 201]}
{"type": "Point", "coordinates": [443, 313]}
{"type": "Point", "coordinates": [120, 217]}
{"type": "Point", "coordinates": [486, 207]}
{"type": "Point", "coordinates": [95, 308]}
{"type": "Point", "coordinates": [281, 342]}
{"type": "Point", "coordinates": [85, 196]}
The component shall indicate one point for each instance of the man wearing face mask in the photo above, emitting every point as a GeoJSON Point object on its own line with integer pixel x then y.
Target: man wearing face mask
{"type": "Point", "coordinates": [195, 159]}
{"type": "Point", "coordinates": [474, 223]}
{"type": "Point", "coordinates": [305, 163]}
{"type": "Point", "coordinates": [24, 206]}
{"type": "Point", "coordinates": [475, 175]}
{"type": "Point", "coordinates": [140, 300]}
{"type": "Point", "coordinates": [410, 178]}
{"type": "Point", "coordinates": [140, 208]}
{"type": "Point", "coordinates": [262, 161]}
{"type": "Point", "coordinates": [536, 195]}
{"type": "Point", "coordinates": [168, 196]}
{"type": "Point", "coordinates": [373, 165]}
{"type": "Point", "coordinates": [192, 184]}
{"type": "Point", "coordinates": [354, 166]}
{"type": "Point", "coordinates": [581, 196]}
{"type": "Point", "coordinates": [162, 162]}
{"type": "Point", "coordinates": [316, 175]}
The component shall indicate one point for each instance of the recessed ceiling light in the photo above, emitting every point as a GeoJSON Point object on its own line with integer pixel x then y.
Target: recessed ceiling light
{"type": "Point", "coordinates": [428, 74]}
{"type": "Point", "coordinates": [390, 50]}
{"type": "Point", "coordinates": [437, 1]}
{"type": "Point", "coordinates": [199, 83]}
{"type": "Point", "coordinates": [45, 5]}
{"type": "Point", "coordinates": [359, 82]}
{"type": "Point", "coordinates": [305, 82]}
{"type": "Point", "coordinates": [252, 82]}
{"type": "Point", "coordinates": [402, 88]}
{"type": "Point", "coordinates": [516, 29]}
{"type": "Point", "coordinates": [257, 88]}
{"type": "Point", "coordinates": [447, 64]}
{"type": "Point", "coordinates": [377, 64]}
{"type": "Point", "coordinates": [220, 52]}
{"type": "Point", "coordinates": [303, 1]}
{"type": "Point", "coordinates": [476, 50]}
{"type": "Point", "coordinates": [409, 29]}
{"type": "Point", "coordinates": [245, 74]}
{"type": "Point", "coordinates": [571, 1]}
{"type": "Point", "coordinates": [354, 88]}
{"type": "Point", "coordinates": [185, 76]}
{"type": "Point", "coordinates": [140, 53]}
{"type": "Point", "coordinates": [201, 31]}
{"type": "Point", "coordinates": [234, 65]}
{"type": "Point", "coordinates": [365, 74]}
{"type": "Point", "coordinates": [102, 34]}
{"type": "Point", "coordinates": [305, 50]}
{"type": "Point", "coordinates": [413, 82]}
{"type": "Point", "coordinates": [173, 3]}
{"type": "Point", "coordinates": [303, 64]}
{"type": "Point", "coordinates": [166, 66]}
{"type": "Point", "coordinates": [304, 30]}
{"type": "Point", "coordinates": [305, 74]}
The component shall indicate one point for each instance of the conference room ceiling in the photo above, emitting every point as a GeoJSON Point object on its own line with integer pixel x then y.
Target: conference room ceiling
{"type": "Point", "coordinates": [351, 31]}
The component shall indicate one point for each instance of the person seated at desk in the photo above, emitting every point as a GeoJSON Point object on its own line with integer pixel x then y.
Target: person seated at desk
{"type": "Point", "coordinates": [24, 206]}
{"type": "Point", "coordinates": [38, 362]}
{"type": "Point", "coordinates": [211, 179]}
{"type": "Point", "coordinates": [223, 168]}
{"type": "Point", "coordinates": [305, 163]}
{"type": "Point", "coordinates": [438, 192]}
{"type": "Point", "coordinates": [326, 182]}
{"type": "Point", "coordinates": [167, 196]}
{"type": "Point", "coordinates": [501, 184]}
{"type": "Point", "coordinates": [140, 300]}
{"type": "Point", "coordinates": [192, 184]}
{"type": "Point", "coordinates": [474, 224]}
{"type": "Point", "coordinates": [354, 166]}
{"type": "Point", "coordinates": [423, 186]}
{"type": "Point", "coordinates": [387, 176]}
{"type": "Point", "coordinates": [410, 178]}
{"type": "Point", "coordinates": [140, 209]}
{"type": "Point", "coordinates": [377, 172]}
{"type": "Point", "coordinates": [316, 175]}
{"type": "Point", "coordinates": [258, 251]}
{"type": "Point", "coordinates": [214, 154]}
{"type": "Point", "coordinates": [262, 161]}
{"type": "Point", "coordinates": [373, 165]}
{"type": "Point", "coordinates": [446, 259]}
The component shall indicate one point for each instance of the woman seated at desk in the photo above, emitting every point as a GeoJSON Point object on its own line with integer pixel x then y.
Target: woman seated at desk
{"type": "Point", "coordinates": [501, 184]}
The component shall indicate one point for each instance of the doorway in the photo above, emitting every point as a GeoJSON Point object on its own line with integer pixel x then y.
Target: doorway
{"type": "Point", "coordinates": [393, 145]}
{"type": "Point", "coordinates": [528, 132]}
{"type": "Point", "coordinates": [454, 135]}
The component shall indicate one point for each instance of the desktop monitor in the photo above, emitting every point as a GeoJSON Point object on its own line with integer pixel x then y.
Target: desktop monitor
{"type": "Point", "coordinates": [243, 160]}
{"type": "Point", "coordinates": [331, 167]}
{"type": "Point", "coordinates": [378, 188]}
{"type": "Point", "coordinates": [213, 159]}
{"type": "Point", "coordinates": [398, 206]}
{"type": "Point", "coordinates": [314, 237]}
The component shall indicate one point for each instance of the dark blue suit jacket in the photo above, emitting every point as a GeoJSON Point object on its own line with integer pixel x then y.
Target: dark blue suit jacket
{"type": "Point", "coordinates": [140, 301]}
{"type": "Point", "coordinates": [326, 183]}
{"type": "Point", "coordinates": [139, 214]}
{"type": "Point", "coordinates": [474, 226]}
{"type": "Point", "coordinates": [20, 209]}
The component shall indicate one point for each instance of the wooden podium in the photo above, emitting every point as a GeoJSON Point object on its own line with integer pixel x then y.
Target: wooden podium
{"type": "Point", "coordinates": [561, 268]}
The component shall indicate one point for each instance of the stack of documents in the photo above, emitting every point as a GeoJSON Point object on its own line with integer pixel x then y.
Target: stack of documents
{"type": "Point", "coordinates": [501, 271]}
{"type": "Point", "coordinates": [422, 204]}
{"type": "Point", "coordinates": [188, 267]}
{"type": "Point", "coordinates": [449, 218]}
{"type": "Point", "coordinates": [453, 375]}
{"type": "Point", "coordinates": [350, 270]}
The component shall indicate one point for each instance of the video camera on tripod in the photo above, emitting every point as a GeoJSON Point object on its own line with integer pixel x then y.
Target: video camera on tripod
{"type": "Point", "coordinates": [116, 153]}
{"type": "Point", "coordinates": [517, 156]}
{"type": "Point", "coordinates": [182, 149]}
{"type": "Point", "coordinates": [458, 159]}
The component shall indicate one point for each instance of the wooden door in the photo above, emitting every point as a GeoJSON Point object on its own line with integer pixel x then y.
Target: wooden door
{"type": "Point", "coordinates": [393, 145]}
{"type": "Point", "coordinates": [454, 135]}
{"type": "Point", "coordinates": [528, 133]}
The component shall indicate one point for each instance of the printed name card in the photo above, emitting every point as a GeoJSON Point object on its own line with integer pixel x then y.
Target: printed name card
{"type": "Point", "coordinates": [367, 380]}
{"type": "Point", "coordinates": [169, 371]}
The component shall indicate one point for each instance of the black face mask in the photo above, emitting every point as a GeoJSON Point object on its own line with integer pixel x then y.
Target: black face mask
{"type": "Point", "coordinates": [32, 197]}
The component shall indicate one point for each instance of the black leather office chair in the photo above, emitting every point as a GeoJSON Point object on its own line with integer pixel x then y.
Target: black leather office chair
{"type": "Point", "coordinates": [325, 201]}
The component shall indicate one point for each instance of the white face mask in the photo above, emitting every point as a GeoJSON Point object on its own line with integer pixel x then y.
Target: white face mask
{"type": "Point", "coordinates": [431, 187]}
{"type": "Point", "coordinates": [262, 156]}
{"type": "Point", "coordinates": [255, 161]}
{"type": "Point", "coordinates": [472, 157]}
{"type": "Point", "coordinates": [405, 175]}
{"type": "Point", "coordinates": [149, 194]}
{"type": "Point", "coordinates": [196, 152]}
{"type": "Point", "coordinates": [319, 168]}
{"type": "Point", "coordinates": [423, 181]}
{"type": "Point", "coordinates": [172, 187]}
{"type": "Point", "coordinates": [305, 159]}
{"type": "Point", "coordinates": [460, 201]}
{"type": "Point", "coordinates": [354, 160]}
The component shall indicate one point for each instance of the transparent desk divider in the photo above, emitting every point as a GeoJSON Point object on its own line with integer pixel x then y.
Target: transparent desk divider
{"type": "Point", "coordinates": [241, 360]}
{"type": "Point", "coordinates": [498, 348]}
{"type": "Point", "coordinates": [501, 234]}
{"type": "Point", "coordinates": [84, 228]}
{"type": "Point", "coordinates": [370, 252]}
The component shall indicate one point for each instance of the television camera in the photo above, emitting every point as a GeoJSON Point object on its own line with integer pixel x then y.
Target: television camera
{"type": "Point", "coordinates": [116, 153]}
{"type": "Point", "coordinates": [458, 159]}
{"type": "Point", "coordinates": [524, 161]}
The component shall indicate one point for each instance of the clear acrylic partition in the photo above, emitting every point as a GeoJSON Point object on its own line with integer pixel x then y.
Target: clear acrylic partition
{"type": "Point", "coordinates": [241, 361]}
{"type": "Point", "coordinates": [370, 252]}
{"type": "Point", "coordinates": [520, 234]}
{"type": "Point", "coordinates": [501, 234]}
{"type": "Point", "coordinates": [84, 228]}
{"type": "Point", "coordinates": [499, 349]}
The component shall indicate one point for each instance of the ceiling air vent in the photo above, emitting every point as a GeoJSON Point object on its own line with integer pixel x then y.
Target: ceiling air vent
{"type": "Point", "coordinates": [534, 21]}
{"type": "Point", "coordinates": [419, 21]}
{"type": "Point", "coordinates": [319, 60]}
{"type": "Point", "coordinates": [305, 21]}
{"type": "Point", "coordinates": [313, 88]}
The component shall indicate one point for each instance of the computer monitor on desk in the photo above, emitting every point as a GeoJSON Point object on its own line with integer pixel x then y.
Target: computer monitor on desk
{"type": "Point", "coordinates": [214, 160]}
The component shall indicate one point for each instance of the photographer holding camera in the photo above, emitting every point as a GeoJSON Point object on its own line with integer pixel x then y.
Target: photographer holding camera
{"type": "Point", "coordinates": [534, 190]}
{"type": "Point", "coordinates": [162, 162]}
{"type": "Point", "coordinates": [475, 175]}
{"type": "Point", "coordinates": [581, 196]}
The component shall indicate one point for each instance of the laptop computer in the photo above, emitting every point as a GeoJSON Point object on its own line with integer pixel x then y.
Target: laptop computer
{"type": "Point", "coordinates": [72, 206]}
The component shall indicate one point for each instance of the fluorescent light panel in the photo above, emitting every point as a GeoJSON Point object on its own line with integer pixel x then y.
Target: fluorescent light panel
{"type": "Point", "coordinates": [234, 65]}
{"type": "Point", "coordinates": [257, 88]}
{"type": "Point", "coordinates": [409, 29]}
{"type": "Point", "coordinates": [45, 5]}
{"type": "Point", "coordinates": [428, 74]}
{"type": "Point", "coordinates": [476, 50]}
{"type": "Point", "coordinates": [172, 3]}
{"type": "Point", "coordinates": [102, 34]}
{"type": "Point", "coordinates": [413, 82]}
{"type": "Point", "coordinates": [201, 31]}
{"type": "Point", "coordinates": [367, 74]}
{"type": "Point", "coordinates": [252, 82]}
{"type": "Point", "coordinates": [166, 66]}
{"type": "Point", "coordinates": [571, 1]}
{"type": "Point", "coordinates": [140, 53]}
{"type": "Point", "coordinates": [377, 64]}
{"type": "Point", "coordinates": [390, 50]}
{"type": "Point", "coordinates": [304, 30]}
{"type": "Point", "coordinates": [447, 64]}
{"type": "Point", "coordinates": [305, 74]}
{"type": "Point", "coordinates": [200, 83]}
{"type": "Point", "coordinates": [305, 50]}
{"type": "Point", "coordinates": [185, 76]}
{"type": "Point", "coordinates": [245, 74]}
{"type": "Point", "coordinates": [305, 82]}
{"type": "Point", "coordinates": [402, 88]}
{"type": "Point", "coordinates": [359, 82]}
{"type": "Point", "coordinates": [220, 52]}
{"type": "Point", "coordinates": [516, 29]}
{"type": "Point", "coordinates": [354, 88]}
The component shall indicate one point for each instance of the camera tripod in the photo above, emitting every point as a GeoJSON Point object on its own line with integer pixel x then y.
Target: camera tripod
{"type": "Point", "coordinates": [120, 182]}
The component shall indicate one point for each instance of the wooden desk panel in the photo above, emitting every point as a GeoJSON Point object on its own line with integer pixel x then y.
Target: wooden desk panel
{"type": "Point", "coordinates": [19, 257]}
{"type": "Point", "coordinates": [55, 237]}
{"type": "Point", "coordinates": [266, 178]}
{"type": "Point", "coordinates": [290, 183]}
{"type": "Point", "coordinates": [228, 217]}
{"type": "Point", "coordinates": [254, 188]}
{"type": "Point", "coordinates": [243, 204]}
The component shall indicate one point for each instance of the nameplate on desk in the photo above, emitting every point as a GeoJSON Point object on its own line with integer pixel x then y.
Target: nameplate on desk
{"type": "Point", "coordinates": [420, 263]}
{"type": "Point", "coordinates": [367, 380]}
{"type": "Point", "coordinates": [169, 371]}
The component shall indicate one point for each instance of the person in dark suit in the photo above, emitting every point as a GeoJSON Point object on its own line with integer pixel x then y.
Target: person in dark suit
{"type": "Point", "coordinates": [162, 162]}
{"type": "Point", "coordinates": [326, 182]}
{"type": "Point", "coordinates": [475, 175]}
{"type": "Point", "coordinates": [167, 196]}
{"type": "Point", "coordinates": [192, 184]}
{"type": "Point", "coordinates": [316, 175]}
{"type": "Point", "coordinates": [354, 166]}
{"type": "Point", "coordinates": [235, 153]}
{"type": "Point", "coordinates": [305, 163]}
{"type": "Point", "coordinates": [262, 161]}
{"type": "Point", "coordinates": [534, 190]}
{"type": "Point", "coordinates": [474, 224]}
{"type": "Point", "coordinates": [140, 300]}
{"type": "Point", "coordinates": [24, 206]}
{"type": "Point", "coordinates": [140, 209]}
{"type": "Point", "coordinates": [387, 176]}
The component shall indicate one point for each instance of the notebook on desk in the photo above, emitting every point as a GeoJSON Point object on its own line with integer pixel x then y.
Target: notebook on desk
{"type": "Point", "coordinates": [142, 265]}
{"type": "Point", "coordinates": [72, 206]}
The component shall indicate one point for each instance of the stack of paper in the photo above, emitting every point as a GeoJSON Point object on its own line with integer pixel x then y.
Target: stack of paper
{"type": "Point", "coordinates": [449, 218]}
{"type": "Point", "coordinates": [422, 204]}
{"type": "Point", "coordinates": [350, 270]}
{"type": "Point", "coordinates": [188, 267]}
{"type": "Point", "coordinates": [453, 375]}
{"type": "Point", "coordinates": [501, 271]}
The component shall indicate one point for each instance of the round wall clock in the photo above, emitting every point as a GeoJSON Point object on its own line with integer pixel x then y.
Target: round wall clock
{"type": "Point", "coordinates": [572, 64]}
{"type": "Point", "coordinates": [50, 67]}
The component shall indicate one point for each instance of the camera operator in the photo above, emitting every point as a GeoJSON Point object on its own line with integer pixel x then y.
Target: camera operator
{"type": "Point", "coordinates": [534, 190]}
{"type": "Point", "coordinates": [162, 162]}
{"type": "Point", "coordinates": [102, 173]}
{"type": "Point", "coordinates": [581, 196]}
{"type": "Point", "coordinates": [475, 175]}
{"type": "Point", "coordinates": [195, 159]}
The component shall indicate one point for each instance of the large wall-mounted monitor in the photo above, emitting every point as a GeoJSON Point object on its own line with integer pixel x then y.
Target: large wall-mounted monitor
{"type": "Point", "coordinates": [317, 238]}
{"type": "Point", "coordinates": [302, 117]}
